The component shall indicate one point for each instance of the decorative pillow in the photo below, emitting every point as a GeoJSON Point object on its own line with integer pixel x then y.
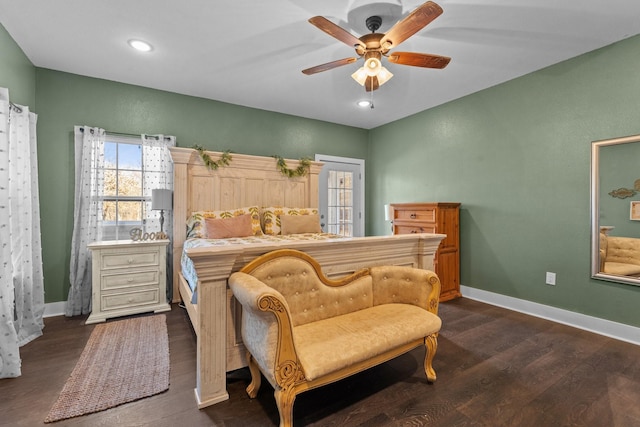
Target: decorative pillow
{"type": "Point", "coordinates": [223, 228]}
{"type": "Point", "coordinates": [195, 223]}
{"type": "Point", "coordinates": [296, 224]}
{"type": "Point", "coordinates": [271, 217]}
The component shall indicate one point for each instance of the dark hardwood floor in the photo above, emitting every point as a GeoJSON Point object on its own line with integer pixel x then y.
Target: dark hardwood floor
{"type": "Point", "coordinates": [495, 368]}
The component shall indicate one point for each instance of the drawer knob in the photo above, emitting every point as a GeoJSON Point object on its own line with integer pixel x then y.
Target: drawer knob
{"type": "Point", "coordinates": [130, 280]}
{"type": "Point", "coordinates": [413, 216]}
{"type": "Point", "coordinates": [130, 260]}
{"type": "Point", "coordinates": [414, 231]}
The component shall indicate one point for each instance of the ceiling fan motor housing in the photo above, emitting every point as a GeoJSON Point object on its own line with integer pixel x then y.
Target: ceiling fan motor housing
{"type": "Point", "coordinates": [373, 23]}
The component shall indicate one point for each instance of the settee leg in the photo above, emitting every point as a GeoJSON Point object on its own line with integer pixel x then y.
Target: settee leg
{"type": "Point", "coordinates": [431, 345]}
{"type": "Point", "coordinates": [256, 377]}
{"type": "Point", "coordinates": [284, 400]}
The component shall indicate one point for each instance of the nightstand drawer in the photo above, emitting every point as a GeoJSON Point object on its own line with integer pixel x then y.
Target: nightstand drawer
{"type": "Point", "coordinates": [113, 260]}
{"type": "Point", "coordinates": [129, 299]}
{"type": "Point", "coordinates": [127, 279]}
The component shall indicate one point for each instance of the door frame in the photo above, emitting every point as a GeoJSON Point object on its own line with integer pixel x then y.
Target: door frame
{"type": "Point", "coordinates": [358, 226]}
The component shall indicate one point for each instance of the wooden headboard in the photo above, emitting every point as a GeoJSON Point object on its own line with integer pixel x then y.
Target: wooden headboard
{"type": "Point", "coordinates": [246, 181]}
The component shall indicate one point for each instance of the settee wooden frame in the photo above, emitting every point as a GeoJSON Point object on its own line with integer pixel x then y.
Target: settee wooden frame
{"type": "Point", "coordinates": [289, 373]}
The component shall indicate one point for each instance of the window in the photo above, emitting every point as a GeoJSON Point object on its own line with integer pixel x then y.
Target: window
{"type": "Point", "coordinates": [340, 203]}
{"type": "Point", "coordinates": [130, 170]}
{"type": "Point", "coordinates": [123, 201]}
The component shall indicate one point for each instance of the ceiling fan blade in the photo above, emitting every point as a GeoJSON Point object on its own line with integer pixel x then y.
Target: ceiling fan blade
{"type": "Point", "coordinates": [336, 31]}
{"type": "Point", "coordinates": [419, 59]}
{"type": "Point", "coordinates": [371, 84]}
{"type": "Point", "coordinates": [329, 66]}
{"type": "Point", "coordinates": [410, 25]}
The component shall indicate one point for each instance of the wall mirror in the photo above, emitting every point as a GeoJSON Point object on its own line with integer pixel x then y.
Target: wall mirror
{"type": "Point", "coordinates": [615, 210]}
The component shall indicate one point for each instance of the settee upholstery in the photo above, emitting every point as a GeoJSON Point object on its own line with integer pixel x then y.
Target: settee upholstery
{"type": "Point", "coordinates": [619, 255]}
{"type": "Point", "coordinates": [303, 330]}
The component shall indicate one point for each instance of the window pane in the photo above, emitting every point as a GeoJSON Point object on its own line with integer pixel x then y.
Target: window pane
{"type": "Point", "coordinates": [130, 211]}
{"type": "Point", "coordinates": [129, 183]}
{"type": "Point", "coordinates": [110, 182]}
{"type": "Point", "coordinates": [110, 154]}
{"type": "Point", "coordinates": [108, 211]}
{"type": "Point", "coordinates": [340, 202]}
{"type": "Point", "coordinates": [130, 156]}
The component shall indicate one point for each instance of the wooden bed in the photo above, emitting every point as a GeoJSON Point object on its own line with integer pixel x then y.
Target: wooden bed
{"type": "Point", "coordinates": [256, 181]}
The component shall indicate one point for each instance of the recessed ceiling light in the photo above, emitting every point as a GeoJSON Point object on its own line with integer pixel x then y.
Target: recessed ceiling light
{"type": "Point", "coordinates": [364, 103]}
{"type": "Point", "coordinates": [140, 45]}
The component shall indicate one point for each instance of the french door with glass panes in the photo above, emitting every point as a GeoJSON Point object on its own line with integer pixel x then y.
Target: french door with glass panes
{"type": "Point", "coordinates": [341, 194]}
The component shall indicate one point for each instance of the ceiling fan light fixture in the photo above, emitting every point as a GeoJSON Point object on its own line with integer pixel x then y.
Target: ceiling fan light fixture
{"type": "Point", "coordinates": [372, 66]}
{"type": "Point", "coordinates": [364, 103]}
{"type": "Point", "coordinates": [384, 76]}
{"type": "Point", "coordinates": [360, 76]}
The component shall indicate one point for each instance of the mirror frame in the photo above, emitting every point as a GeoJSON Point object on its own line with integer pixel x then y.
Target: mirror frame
{"type": "Point", "coordinates": [595, 210]}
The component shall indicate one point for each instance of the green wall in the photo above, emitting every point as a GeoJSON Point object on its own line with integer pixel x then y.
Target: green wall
{"type": "Point", "coordinates": [16, 72]}
{"type": "Point", "coordinates": [517, 156]}
{"type": "Point", "coordinates": [65, 100]}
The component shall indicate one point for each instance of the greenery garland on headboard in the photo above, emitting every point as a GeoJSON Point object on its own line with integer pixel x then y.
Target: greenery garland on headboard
{"type": "Point", "coordinates": [301, 170]}
{"type": "Point", "coordinates": [225, 159]}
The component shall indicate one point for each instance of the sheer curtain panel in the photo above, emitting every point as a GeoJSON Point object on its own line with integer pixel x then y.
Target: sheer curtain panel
{"type": "Point", "coordinates": [21, 281]}
{"type": "Point", "coordinates": [158, 174]}
{"type": "Point", "coordinates": [87, 215]}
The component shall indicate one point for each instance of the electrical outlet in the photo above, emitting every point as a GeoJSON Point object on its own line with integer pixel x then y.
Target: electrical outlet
{"type": "Point", "coordinates": [551, 278]}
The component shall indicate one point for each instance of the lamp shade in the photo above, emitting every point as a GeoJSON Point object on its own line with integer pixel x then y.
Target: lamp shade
{"type": "Point", "coordinates": [388, 213]}
{"type": "Point", "coordinates": [161, 199]}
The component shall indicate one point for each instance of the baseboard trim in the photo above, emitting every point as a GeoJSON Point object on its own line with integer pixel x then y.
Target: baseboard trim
{"type": "Point", "coordinates": [54, 309]}
{"type": "Point", "coordinates": [615, 330]}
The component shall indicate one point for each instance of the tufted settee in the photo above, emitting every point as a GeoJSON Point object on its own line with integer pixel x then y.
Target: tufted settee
{"type": "Point", "coordinates": [619, 255]}
{"type": "Point", "coordinates": [303, 330]}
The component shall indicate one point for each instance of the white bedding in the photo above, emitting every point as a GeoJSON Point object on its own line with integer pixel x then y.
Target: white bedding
{"type": "Point", "coordinates": [189, 272]}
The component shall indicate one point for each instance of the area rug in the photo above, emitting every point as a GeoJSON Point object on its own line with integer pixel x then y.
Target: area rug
{"type": "Point", "coordinates": [123, 361]}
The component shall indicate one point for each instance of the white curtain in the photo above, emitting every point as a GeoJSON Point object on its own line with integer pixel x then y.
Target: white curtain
{"type": "Point", "coordinates": [21, 281]}
{"type": "Point", "coordinates": [87, 215]}
{"type": "Point", "coordinates": [89, 191]}
{"type": "Point", "coordinates": [158, 173]}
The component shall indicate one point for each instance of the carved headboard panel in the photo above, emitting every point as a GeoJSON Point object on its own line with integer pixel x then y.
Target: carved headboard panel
{"type": "Point", "coordinates": [246, 181]}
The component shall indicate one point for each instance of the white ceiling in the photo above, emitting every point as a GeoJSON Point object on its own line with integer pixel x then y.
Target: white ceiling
{"type": "Point", "coordinates": [251, 52]}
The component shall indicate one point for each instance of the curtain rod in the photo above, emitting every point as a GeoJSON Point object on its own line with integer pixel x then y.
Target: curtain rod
{"type": "Point", "coordinates": [108, 132]}
{"type": "Point", "coordinates": [15, 107]}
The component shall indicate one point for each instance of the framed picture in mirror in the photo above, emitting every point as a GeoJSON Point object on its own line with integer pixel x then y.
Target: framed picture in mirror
{"type": "Point", "coordinates": [635, 210]}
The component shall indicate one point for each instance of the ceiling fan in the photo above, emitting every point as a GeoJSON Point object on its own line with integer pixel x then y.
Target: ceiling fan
{"type": "Point", "coordinates": [372, 47]}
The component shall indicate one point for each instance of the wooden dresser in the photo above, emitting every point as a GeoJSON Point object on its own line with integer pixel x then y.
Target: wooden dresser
{"type": "Point", "coordinates": [128, 278]}
{"type": "Point", "coordinates": [442, 218]}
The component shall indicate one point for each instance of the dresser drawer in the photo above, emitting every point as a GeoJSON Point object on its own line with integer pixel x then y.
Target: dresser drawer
{"type": "Point", "coordinates": [128, 279]}
{"type": "Point", "coordinates": [129, 299]}
{"type": "Point", "coordinates": [410, 229]}
{"type": "Point", "coordinates": [113, 260]}
{"type": "Point", "coordinates": [428, 215]}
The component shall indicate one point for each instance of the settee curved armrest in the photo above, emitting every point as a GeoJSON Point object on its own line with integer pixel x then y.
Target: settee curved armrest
{"type": "Point", "coordinates": [406, 285]}
{"type": "Point", "coordinates": [267, 329]}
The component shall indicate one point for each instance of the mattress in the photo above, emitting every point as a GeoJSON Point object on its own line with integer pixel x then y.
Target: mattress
{"type": "Point", "coordinates": [189, 271]}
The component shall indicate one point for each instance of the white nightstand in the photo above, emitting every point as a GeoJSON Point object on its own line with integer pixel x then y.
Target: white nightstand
{"type": "Point", "coordinates": [128, 278]}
